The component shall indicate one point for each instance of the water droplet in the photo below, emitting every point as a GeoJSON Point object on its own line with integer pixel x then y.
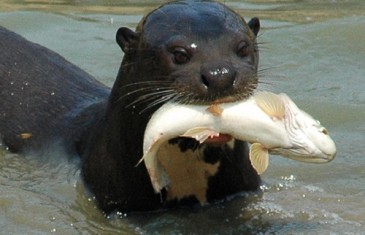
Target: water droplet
{"type": "Point", "coordinates": [53, 230]}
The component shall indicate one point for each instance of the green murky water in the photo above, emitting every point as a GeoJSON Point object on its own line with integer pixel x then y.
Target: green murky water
{"type": "Point", "coordinates": [312, 50]}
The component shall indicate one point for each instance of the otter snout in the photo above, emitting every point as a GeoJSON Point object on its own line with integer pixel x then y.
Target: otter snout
{"type": "Point", "coordinates": [218, 78]}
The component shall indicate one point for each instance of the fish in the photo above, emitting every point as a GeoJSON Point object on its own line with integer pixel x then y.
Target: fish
{"type": "Point", "coordinates": [271, 123]}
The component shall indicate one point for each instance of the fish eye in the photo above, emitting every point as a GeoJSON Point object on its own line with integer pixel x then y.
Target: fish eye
{"type": "Point", "coordinates": [324, 131]}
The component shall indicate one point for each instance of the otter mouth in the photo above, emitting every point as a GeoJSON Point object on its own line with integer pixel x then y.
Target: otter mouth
{"type": "Point", "coordinates": [175, 137]}
{"type": "Point", "coordinates": [215, 100]}
{"type": "Point", "coordinates": [221, 139]}
{"type": "Point", "coordinates": [228, 99]}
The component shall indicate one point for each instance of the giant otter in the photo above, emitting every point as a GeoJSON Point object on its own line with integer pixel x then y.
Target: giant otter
{"type": "Point", "coordinates": [195, 52]}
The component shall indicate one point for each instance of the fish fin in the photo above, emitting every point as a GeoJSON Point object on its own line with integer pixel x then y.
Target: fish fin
{"type": "Point", "coordinates": [158, 176]}
{"type": "Point", "coordinates": [272, 104]}
{"type": "Point", "coordinates": [157, 173]}
{"type": "Point", "coordinates": [259, 157]}
{"type": "Point", "coordinates": [151, 149]}
{"type": "Point", "coordinates": [140, 161]}
{"type": "Point", "coordinates": [200, 134]}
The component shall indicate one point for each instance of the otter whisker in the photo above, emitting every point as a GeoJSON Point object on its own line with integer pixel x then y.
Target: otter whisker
{"type": "Point", "coordinates": [264, 70]}
{"type": "Point", "coordinates": [259, 47]}
{"type": "Point", "coordinates": [145, 60]}
{"type": "Point", "coordinates": [145, 90]}
{"type": "Point", "coordinates": [151, 96]}
{"type": "Point", "coordinates": [265, 82]}
{"type": "Point", "coordinates": [154, 95]}
{"type": "Point", "coordinates": [162, 99]}
{"type": "Point", "coordinates": [148, 83]}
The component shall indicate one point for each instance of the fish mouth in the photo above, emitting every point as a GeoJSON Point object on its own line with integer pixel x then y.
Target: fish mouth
{"type": "Point", "coordinates": [313, 159]}
{"type": "Point", "coordinates": [306, 157]}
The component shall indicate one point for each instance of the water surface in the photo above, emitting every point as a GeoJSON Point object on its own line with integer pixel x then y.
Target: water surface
{"type": "Point", "coordinates": [312, 50]}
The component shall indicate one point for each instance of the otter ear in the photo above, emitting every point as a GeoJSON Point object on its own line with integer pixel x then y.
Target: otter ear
{"type": "Point", "coordinates": [254, 25]}
{"type": "Point", "coordinates": [127, 39]}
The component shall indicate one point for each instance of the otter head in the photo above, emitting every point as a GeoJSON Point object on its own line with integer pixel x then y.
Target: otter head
{"type": "Point", "coordinates": [196, 52]}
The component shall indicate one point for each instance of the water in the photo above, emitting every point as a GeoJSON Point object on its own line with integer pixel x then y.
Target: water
{"type": "Point", "coordinates": [312, 50]}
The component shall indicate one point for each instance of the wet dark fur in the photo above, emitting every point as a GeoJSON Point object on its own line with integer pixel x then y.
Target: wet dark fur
{"type": "Point", "coordinates": [53, 100]}
{"type": "Point", "coordinates": [43, 94]}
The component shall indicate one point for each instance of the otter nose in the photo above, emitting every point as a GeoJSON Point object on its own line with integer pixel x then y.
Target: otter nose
{"type": "Point", "coordinates": [218, 77]}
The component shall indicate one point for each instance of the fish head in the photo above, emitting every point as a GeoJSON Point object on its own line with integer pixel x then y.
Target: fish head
{"type": "Point", "coordinates": [310, 141]}
{"type": "Point", "coordinates": [323, 145]}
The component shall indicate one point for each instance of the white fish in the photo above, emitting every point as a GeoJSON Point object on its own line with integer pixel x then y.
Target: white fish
{"type": "Point", "coordinates": [272, 123]}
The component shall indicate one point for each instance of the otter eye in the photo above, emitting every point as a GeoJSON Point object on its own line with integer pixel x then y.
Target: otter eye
{"type": "Point", "coordinates": [181, 56]}
{"type": "Point", "coordinates": [243, 48]}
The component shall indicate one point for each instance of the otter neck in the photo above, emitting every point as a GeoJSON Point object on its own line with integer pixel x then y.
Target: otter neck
{"type": "Point", "coordinates": [112, 162]}
{"type": "Point", "coordinates": [126, 118]}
